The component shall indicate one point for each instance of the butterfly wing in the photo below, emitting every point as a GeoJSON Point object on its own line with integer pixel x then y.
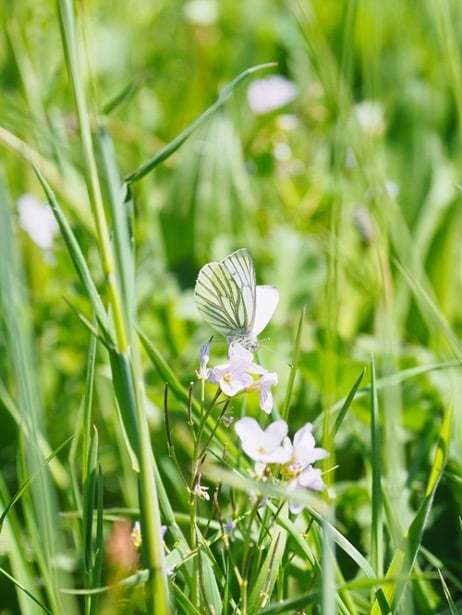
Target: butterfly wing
{"type": "Point", "coordinates": [225, 295]}
{"type": "Point", "coordinates": [240, 266]}
{"type": "Point", "coordinates": [266, 301]}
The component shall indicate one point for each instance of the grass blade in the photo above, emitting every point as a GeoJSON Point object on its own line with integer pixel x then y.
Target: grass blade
{"type": "Point", "coordinates": [169, 149]}
{"type": "Point", "coordinates": [404, 557]}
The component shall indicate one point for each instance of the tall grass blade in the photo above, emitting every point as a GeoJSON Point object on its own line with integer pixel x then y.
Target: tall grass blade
{"type": "Point", "coordinates": [122, 224]}
{"type": "Point", "coordinates": [263, 586]}
{"type": "Point", "coordinates": [28, 593]}
{"type": "Point", "coordinates": [403, 560]}
{"type": "Point", "coordinates": [293, 366]}
{"type": "Point", "coordinates": [376, 491]}
{"type": "Point", "coordinates": [77, 257]}
{"type": "Point", "coordinates": [451, 604]}
{"type": "Point", "coordinates": [12, 535]}
{"type": "Point", "coordinates": [41, 507]}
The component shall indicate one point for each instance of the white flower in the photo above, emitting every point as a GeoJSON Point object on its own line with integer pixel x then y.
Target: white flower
{"type": "Point", "coordinates": [270, 93]}
{"type": "Point", "coordinates": [263, 385]}
{"type": "Point", "coordinates": [37, 220]}
{"type": "Point", "coordinates": [304, 453]}
{"type": "Point", "coordinates": [232, 376]}
{"type": "Point", "coordinates": [238, 374]}
{"type": "Point", "coordinates": [309, 479]}
{"type": "Point", "coordinates": [304, 449]}
{"type": "Point", "coordinates": [272, 446]}
{"type": "Point", "coordinates": [263, 446]}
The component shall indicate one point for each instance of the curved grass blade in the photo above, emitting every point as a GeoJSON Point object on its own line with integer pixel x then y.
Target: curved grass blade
{"type": "Point", "coordinates": [169, 149]}
{"type": "Point", "coordinates": [56, 468]}
{"type": "Point", "coordinates": [27, 482]}
{"type": "Point", "coordinates": [451, 604]}
{"type": "Point", "coordinates": [122, 223]}
{"type": "Point", "coordinates": [346, 405]}
{"type": "Point", "coordinates": [26, 591]}
{"type": "Point", "coordinates": [19, 566]}
{"type": "Point", "coordinates": [76, 255]}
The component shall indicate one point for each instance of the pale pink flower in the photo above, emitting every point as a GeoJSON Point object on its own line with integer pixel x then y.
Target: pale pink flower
{"type": "Point", "coordinates": [303, 454]}
{"type": "Point", "coordinates": [310, 478]}
{"type": "Point", "coordinates": [237, 375]}
{"type": "Point", "coordinates": [304, 449]}
{"type": "Point", "coordinates": [263, 385]}
{"type": "Point", "coordinates": [270, 93]}
{"type": "Point", "coordinates": [232, 377]}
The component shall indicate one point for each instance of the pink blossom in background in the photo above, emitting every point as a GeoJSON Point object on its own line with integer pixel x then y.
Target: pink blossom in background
{"type": "Point", "coordinates": [270, 93]}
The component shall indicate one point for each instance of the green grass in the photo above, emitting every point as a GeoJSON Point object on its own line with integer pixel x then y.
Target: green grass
{"type": "Point", "coordinates": [132, 123]}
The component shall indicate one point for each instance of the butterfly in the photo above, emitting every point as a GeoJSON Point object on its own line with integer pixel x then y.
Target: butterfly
{"type": "Point", "coordinates": [228, 298]}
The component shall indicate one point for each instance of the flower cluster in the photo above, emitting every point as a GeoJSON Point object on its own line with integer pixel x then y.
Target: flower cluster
{"type": "Point", "coordinates": [272, 446]}
{"type": "Point", "coordinates": [238, 374]}
{"type": "Point", "coordinates": [271, 449]}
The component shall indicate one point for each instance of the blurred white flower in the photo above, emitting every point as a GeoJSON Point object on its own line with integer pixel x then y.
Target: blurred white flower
{"type": "Point", "coordinates": [201, 12]}
{"type": "Point", "coordinates": [364, 224]}
{"type": "Point", "coordinates": [391, 188]}
{"type": "Point", "coordinates": [37, 220]}
{"type": "Point", "coordinates": [287, 122]}
{"type": "Point", "coordinates": [369, 114]}
{"type": "Point", "coordinates": [282, 151]}
{"type": "Point", "coordinates": [270, 93]}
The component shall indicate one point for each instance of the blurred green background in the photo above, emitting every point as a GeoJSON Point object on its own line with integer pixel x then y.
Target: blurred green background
{"type": "Point", "coordinates": [347, 195]}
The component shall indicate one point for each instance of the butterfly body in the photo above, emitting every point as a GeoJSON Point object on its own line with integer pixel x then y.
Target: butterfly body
{"type": "Point", "coordinates": [227, 296]}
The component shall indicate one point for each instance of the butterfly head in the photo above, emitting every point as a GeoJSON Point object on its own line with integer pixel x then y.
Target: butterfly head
{"type": "Point", "coordinates": [249, 342]}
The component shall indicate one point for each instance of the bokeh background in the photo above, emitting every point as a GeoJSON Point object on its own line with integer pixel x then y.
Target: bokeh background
{"type": "Point", "coordinates": [338, 167]}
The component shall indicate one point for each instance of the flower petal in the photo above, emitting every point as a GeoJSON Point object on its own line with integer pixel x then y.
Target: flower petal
{"type": "Point", "coordinates": [305, 449]}
{"type": "Point", "coordinates": [263, 445]}
{"type": "Point", "coordinates": [311, 479]}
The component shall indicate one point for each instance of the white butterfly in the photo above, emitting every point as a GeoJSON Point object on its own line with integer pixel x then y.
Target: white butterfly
{"type": "Point", "coordinates": [230, 301]}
